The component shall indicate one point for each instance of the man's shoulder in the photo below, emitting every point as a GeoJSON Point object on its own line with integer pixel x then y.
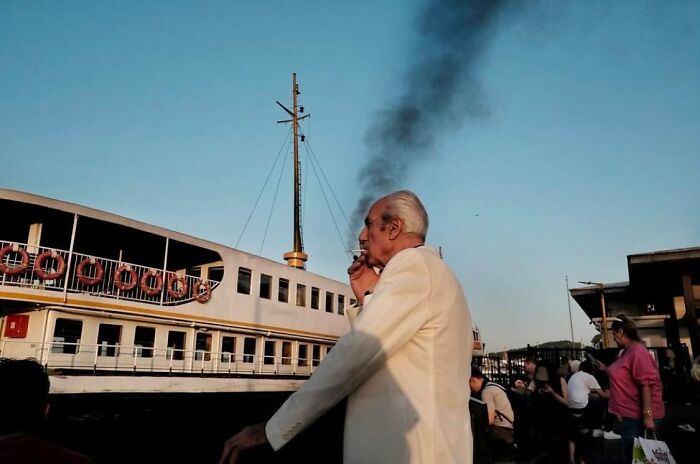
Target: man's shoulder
{"type": "Point", "coordinates": [494, 389]}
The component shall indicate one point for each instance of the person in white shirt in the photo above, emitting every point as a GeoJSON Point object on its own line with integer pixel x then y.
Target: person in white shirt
{"type": "Point", "coordinates": [580, 387]}
{"type": "Point", "coordinates": [405, 364]}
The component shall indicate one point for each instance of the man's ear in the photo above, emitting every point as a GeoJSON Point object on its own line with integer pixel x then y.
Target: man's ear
{"type": "Point", "coordinates": [396, 226]}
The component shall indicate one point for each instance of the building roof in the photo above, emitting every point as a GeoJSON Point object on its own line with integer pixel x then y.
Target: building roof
{"type": "Point", "coordinates": [654, 279]}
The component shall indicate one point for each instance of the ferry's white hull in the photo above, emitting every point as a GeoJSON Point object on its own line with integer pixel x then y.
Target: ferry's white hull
{"type": "Point", "coordinates": [114, 305]}
{"type": "Point", "coordinates": [130, 384]}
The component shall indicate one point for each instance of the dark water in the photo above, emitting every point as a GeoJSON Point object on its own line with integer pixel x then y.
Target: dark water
{"type": "Point", "coordinates": [182, 428]}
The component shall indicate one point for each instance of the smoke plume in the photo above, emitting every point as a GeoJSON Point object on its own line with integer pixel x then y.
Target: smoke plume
{"type": "Point", "coordinates": [440, 90]}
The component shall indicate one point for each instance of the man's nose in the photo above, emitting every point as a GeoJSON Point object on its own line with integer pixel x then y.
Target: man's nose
{"type": "Point", "coordinates": [363, 235]}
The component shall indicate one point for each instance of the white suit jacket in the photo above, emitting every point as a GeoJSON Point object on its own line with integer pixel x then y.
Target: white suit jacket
{"type": "Point", "coordinates": [405, 367]}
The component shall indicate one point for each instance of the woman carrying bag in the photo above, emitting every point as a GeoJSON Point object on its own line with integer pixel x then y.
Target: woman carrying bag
{"type": "Point", "coordinates": [635, 385]}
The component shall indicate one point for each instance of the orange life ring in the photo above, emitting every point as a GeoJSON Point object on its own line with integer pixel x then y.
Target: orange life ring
{"type": "Point", "coordinates": [198, 295]}
{"type": "Point", "coordinates": [99, 272]}
{"type": "Point", "coordinates": [14, 270]}
{"type": "Point", "coordinates": [173, 279]}
{"type": "Point", "coordinates": [122, 285]}
{"type": "Point", "coordinates": [39, 265]}
{"type": "Point", "coordinates": [151, 291]}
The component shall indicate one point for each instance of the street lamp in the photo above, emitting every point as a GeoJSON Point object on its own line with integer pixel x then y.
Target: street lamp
{"type": "Point", "coordinates": [602, 306]}
{"type": "Point", "coordinates": [568, 301]}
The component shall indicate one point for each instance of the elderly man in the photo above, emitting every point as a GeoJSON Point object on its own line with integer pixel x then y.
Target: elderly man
{"type": "Point", "coordinates": [404, 364]}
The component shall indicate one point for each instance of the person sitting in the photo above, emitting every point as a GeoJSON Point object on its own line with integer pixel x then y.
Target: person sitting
{"type": "Point", "coordinates": [24, 386]}
{"type": "Point", "coordinates": [585, 405]}
{"type": "Point", "coordinates": [500, 412]}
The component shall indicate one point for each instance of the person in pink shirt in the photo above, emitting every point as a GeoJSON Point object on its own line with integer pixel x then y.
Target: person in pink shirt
{"type": "Point", "coordinates": [635, 385]}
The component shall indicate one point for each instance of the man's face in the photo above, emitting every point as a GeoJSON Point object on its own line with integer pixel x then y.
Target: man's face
{"type": "Point", "coordinates": [530, 368]}
{"type": "Point", "coordinates": [375, 236]}
{"type": "Point", "coordinates": [475, 384]}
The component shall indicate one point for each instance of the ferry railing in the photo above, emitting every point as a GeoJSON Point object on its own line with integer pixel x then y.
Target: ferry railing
{"type": "Point", "coordinates": [101, 357]}
{"type": "Point", "coordinates": [182, 287]}
{"type": "Point", "coordinates": [29, 277]}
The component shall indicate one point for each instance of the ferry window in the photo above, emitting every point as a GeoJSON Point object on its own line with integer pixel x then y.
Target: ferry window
{"type": "Point", "coordinates": [244, 280]}
{"type": "Point", "coordinates": [265, 286]}
{"type": "Point", "coordinates": [228, 349]}
{"type": "Point", "coordinates": [144, 339]}
{"type": "Point", "coordinates": [301, 295]}
{"type": "Point", "coordinates": [314, 297]}
{"type": "Point", "coordinates": [303, 355]}
{"type": "Point", "coordinates": [66, 336]}
{"type": "Point", "coordinates": [202, 347]}
{"type": "Point", "coordinates": [249, 346]}
{"type": "Point", "coordinates": [216, 274]}
{"type": "Point", "coordinates": [341, 304]}
{"type": "Point", "coordinates": [353, 301]}
{"type": "Point", "coordinates": [286, 353]}
{"type": "Point", "coordinates": [328, 349]}
{"type": "Point", "coordinates": [316, 355]}
{"type": "Point", "coordinates": [176, 345]}
{"type": "Point", "coordinates": [108, 338]}
{"type": "Point", "coordinates": [269, 352]}
{"type": "Point", "coordinates": [283, 292]}
{"type": "Point", "coordinates": [329, 302]}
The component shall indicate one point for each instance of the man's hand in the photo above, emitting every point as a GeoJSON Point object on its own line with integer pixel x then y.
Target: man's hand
{"type": "Point", "coordinates": [600, 366]}
{"type": "Point", "coordinates": [363, 278]}
{"type": "Point", "coordinates": [249, 437]}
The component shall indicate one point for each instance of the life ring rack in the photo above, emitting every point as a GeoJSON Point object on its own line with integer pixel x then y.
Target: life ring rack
{"type": "Point", "coordinates": [198, 295]}
{"type": "Point", "coordinates": [122, 285]}
{"type": "Point", "coordinates": [14, 270]}
{"type": "Point", "coordinates": [99, 272]}
{"type": "Point", "coordinates": [39, 265]}
{"type": "Point", "coordinates": [143, 283]}
{"type": "Point", "coordinates": [174, 279]}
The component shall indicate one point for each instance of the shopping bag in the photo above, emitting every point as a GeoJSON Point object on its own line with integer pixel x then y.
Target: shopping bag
{"type": "Point", "coordinates": [648, 451]}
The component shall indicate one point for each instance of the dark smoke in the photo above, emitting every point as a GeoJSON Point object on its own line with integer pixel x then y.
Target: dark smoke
{"type": "Point", "coordinates": [440, 90]}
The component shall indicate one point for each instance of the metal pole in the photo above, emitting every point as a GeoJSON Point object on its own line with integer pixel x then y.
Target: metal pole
{"type": "Point", "coordinates": [605, 319]}
{"type": "Point", "coordinates": [568, 301]}
{"type": "Point", "coordinates": [70, 258]}
{"type": "Point", "coordinates": [165, 270]}
{"type": "Point", "coordinates": [297, 192]}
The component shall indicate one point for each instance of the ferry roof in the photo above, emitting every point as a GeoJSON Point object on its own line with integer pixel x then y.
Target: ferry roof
{"type": "Point", "coordinates": [24, 197]}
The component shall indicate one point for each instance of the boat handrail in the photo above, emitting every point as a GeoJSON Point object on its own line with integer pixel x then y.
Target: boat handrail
{"type": "Point", "coordinates": [183, 288]}
{"type": "Point", "coordinates": [60, 355]}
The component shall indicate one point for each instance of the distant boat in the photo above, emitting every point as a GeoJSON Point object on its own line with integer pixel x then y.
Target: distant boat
{"type": "Point", "coordinates": [479, 345]}
{"type": "Point", "coordinates": [110, 304]}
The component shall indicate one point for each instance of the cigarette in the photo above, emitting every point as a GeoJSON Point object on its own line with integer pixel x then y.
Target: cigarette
{"type": "Point", "coordinates": [356, 251]}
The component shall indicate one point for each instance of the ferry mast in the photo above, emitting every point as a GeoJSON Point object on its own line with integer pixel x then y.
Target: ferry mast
{"type": "Point", "coordinates": [296, 258]}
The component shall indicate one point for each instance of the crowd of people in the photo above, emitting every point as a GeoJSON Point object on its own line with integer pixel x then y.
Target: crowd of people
{"type": "Point", "coordinates": [556, 409]}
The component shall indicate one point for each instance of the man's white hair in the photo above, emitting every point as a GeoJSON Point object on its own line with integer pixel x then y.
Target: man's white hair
{"type": "Point", "coordinates": [406, 206]}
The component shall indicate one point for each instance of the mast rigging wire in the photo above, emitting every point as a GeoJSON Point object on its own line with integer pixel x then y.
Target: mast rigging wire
{"type": "Point", "coordinates": [313, 154]}
{"type": "Point", "coordinates": [330, 211]}
{"type": "Point", "coordinates": [269, 174]}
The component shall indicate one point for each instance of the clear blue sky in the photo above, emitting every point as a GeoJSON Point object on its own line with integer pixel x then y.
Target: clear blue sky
{"type": "Point", "coordinates": [588, 148]}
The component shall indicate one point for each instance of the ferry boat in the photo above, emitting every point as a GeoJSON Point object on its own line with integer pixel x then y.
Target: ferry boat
{"type": "Point", "coordinates": [110, 304]}
{"type": "Point", "coordinates": [107, 303]}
